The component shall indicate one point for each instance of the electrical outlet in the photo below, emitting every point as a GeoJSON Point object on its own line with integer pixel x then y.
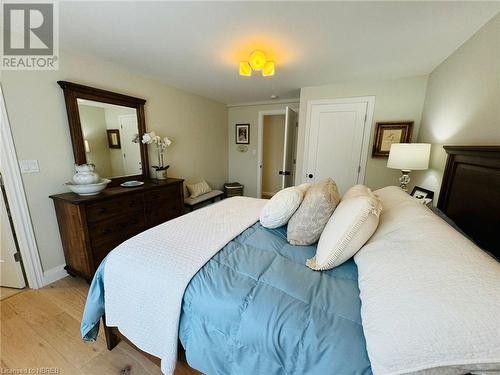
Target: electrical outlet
{"type": "Point", "coordinates": [29, 166]}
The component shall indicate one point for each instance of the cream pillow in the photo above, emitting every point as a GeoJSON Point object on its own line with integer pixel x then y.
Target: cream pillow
{"type": "Point", "coordinates": [281, 206]}
{"type": "Point", "coordinates": [307, 223]}
{"type": "Point", "coordinates": [356, 191]}
{"type": "Point", "coordinates": [198, 189]}
{"type": "Point", "coordinates": [351, 225]}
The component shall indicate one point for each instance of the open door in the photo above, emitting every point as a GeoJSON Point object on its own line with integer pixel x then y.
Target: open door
{"type": "Point", "coordinates": [287, 171]}
{"type": "Point", "coordinates": [11, 274]}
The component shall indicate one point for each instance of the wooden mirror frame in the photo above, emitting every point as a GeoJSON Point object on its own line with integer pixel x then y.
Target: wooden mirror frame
{"type": "Point", "coordinates": [74, 91]}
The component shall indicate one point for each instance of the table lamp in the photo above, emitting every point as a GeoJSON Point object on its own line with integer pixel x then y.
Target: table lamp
{"type": "Point", "coordinates": [408, 157]}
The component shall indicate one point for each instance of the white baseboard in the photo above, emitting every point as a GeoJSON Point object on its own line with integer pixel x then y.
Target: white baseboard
{"type": "Point", "coordinates": [54, 274]}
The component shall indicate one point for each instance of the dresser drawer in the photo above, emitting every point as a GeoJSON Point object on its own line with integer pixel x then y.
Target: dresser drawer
{"type": "Point", "coordinates": [160, 195]}
{"type": "Point", "coordinates": [112, 207]}
{"type": "Point", "coordinates": [116, 229]}
{"type": "Point", "coordinates": [162, 211]}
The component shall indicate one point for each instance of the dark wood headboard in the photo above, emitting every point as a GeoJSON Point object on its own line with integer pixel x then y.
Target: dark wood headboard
{"type": "Point", "coordinates": [470, 193]}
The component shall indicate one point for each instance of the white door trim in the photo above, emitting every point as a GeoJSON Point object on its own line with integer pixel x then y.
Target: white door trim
{"type": "Point", "coordinates": [370, 107]}
{"type": "Point", "coordinates": [260, 140]}
{"type": "Point", "coordinates": [17, 202]}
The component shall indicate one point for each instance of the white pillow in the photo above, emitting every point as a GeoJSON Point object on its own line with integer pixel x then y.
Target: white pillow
{"type": "Point", "coordinates": [198, 189]}
{"type": "Point", "coordinates": [352, 223]}
{"type": "Point", "coordinates": [430, 298]}
{"type": "Point", "coordinates": [282, 206]}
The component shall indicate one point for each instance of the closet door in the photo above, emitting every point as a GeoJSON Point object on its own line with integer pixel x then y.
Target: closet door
{"type": "Point", "coordinates": [287, 171]}
{"type": "Point", "coordinates": [335, 143]}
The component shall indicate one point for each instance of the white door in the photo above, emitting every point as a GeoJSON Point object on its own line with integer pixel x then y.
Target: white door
{"type": "Point", "coordinates": [11, 274]}
{"type": "Point", "coordinates": [287, 171]}
{"type": "Point", "coordinates": [335, 143]}
{"type": "Point", "coordinates": [130, 151]}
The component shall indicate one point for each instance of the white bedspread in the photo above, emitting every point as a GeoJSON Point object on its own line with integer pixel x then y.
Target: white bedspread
{"type": "Point", "coordinates": [145, 277]}
{"type": "Point", "coordinates": [430, 298]}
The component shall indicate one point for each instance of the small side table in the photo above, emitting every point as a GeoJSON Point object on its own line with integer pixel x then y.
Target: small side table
{"type": "Point", "coordinates": [233, 189]}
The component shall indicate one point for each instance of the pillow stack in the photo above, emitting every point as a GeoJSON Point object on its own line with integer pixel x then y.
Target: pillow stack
{"type": "Point", "coordinates": [316, 212]}
{"type": "Point", "coordinates": [350, 226]}
{"type": "Point", "coordinates": [307, 223]}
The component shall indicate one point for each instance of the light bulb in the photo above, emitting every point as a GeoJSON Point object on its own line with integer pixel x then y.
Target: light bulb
{"type": "Point", "coordinates": [257, 60]}
{"type": "Point", "coordinates": [245, 69]}
{"type": "Point", "coordinates": [268, 69]}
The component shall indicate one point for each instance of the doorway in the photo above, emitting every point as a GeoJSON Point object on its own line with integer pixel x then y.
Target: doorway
{"type": "Point", "coordinates": [12, 279]}
{"type": "Point", "coordinates": [277, 151]}
{"type": "Point", "coordinates": [273, 142]}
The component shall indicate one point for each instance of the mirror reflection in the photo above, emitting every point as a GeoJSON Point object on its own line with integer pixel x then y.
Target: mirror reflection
{"type": "Point", "coordinates": [111, 138]}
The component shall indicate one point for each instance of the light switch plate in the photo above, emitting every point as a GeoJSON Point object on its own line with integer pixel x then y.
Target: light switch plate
{"type": "Point", "coordinates": [34, 166]}
{"type": "Point", "coordinates": [29, 166]}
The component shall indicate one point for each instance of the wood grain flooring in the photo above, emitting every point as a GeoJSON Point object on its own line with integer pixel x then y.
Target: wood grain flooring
{"type": "Point", "coordinates": [40, 329]}
{"type": "Point", "coordinates": [8, 292]}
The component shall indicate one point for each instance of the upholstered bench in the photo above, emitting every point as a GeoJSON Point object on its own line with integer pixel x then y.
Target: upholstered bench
{"type": "Point", "coordinates": [192, 203]}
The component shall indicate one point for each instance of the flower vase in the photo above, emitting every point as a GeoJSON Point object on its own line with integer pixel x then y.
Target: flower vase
{"type": "Point", "coordinates": [161, 174]}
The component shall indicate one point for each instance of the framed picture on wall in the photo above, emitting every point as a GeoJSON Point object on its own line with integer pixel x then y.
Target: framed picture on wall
{"type": "Point", "coordinates": [114, 138]}
{"type": "Point", "coordinates": [387, 133]}
{"type": "Point", "coordinates": [242, 134]}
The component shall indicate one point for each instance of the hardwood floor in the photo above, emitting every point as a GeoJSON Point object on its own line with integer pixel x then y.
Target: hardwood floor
{"type": "Point", "coordinates": [41, 329]}
{"type": "Point", "coordinates": [8, 292]}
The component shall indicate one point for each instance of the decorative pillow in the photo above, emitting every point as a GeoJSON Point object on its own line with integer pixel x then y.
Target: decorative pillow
{"type": "Point", "coordinates": [356, 191]}
{"type": "Point", "coordinates": [281, 206]}
{"type": "Point", "coordinates": [198, 189]}
{"type": "Point", "coordinates": [351, 225]}
{"type": "Point", "coordinates": [307, 223]}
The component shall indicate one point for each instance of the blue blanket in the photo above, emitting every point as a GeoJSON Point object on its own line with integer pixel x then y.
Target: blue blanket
{"type": "Point", "coordinates": [255, 308]}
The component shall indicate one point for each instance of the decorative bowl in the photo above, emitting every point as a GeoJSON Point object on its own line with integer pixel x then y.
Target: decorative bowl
{"type": "Point", "coordinates": [132, 183]}
{"type": "Point", "coordinates": [88, 189]}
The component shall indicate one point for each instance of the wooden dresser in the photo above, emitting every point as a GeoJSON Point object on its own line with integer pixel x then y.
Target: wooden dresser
{"type": "Point", "coordinates": [92, 226]}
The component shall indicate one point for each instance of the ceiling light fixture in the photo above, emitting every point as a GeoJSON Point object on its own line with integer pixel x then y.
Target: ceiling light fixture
{"type": "Point", "coordinates": [257, 62]}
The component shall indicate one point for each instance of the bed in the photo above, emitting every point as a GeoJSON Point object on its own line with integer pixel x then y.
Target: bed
{"type": "Point", "coordinates": [317, 323]}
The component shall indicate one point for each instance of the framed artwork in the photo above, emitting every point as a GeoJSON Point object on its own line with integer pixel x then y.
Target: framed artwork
{"type": "Point", "coordinates": [242, 134]}
{"type": "Point", "coordinates": [387, 133]}
{"type": "Point", "coordinates": [114, 138]}
{"type": "Point", "coordinates": [422, 194]}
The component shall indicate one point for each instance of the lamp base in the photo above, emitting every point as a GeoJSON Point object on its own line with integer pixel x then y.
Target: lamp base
{"type": "Point", "coordinates": [404, 180]}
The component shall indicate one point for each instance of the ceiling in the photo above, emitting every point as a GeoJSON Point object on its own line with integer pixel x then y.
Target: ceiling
{"type": "Point", "coordinates": [197, 46]}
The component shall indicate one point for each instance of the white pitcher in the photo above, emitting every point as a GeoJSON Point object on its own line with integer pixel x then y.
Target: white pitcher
{"type": "Point", "coordinates": [85, 174]}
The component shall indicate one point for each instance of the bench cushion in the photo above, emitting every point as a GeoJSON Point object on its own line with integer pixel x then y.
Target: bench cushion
{"type": "Point", "coordinates": [201, 198]}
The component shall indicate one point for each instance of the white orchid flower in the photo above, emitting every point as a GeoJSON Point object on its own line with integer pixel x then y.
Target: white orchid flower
{"type": "Point", "coordinates": [146, 138]}
{"type": "Point", "coordinates": [167, 141]}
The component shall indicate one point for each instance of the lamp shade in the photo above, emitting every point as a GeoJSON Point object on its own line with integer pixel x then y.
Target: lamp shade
{"type": "Point", "coordinates": [409, 156]}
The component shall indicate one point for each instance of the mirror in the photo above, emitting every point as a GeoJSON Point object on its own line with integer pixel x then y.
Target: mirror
{"type": "Point", "coordinates": [111, 138]}
{"type": "Point", "coordinates": [106, 129]}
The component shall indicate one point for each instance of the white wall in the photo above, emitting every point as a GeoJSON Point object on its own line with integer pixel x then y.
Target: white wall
{"type": "Point", "coordinates": [462, 104]}
{"type": "Point", "coordinates": [398, 99]}
{"type": "Point", "coordinates": [243, 165]}
{"type": "Point", "coordinates": [35, 106]}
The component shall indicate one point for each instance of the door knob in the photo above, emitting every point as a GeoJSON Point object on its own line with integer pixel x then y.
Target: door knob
{"type": "Point", "coordinates": [310, 175]}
